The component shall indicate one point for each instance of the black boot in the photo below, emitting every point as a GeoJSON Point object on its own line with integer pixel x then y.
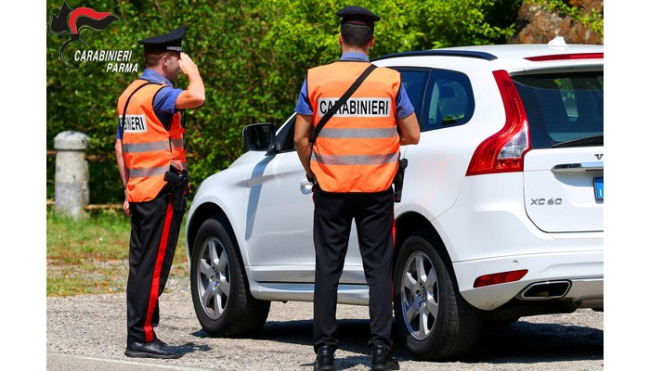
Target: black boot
{"type": "Point", "coordinates": [324, 359]}
{"type": "Point", "coordinates": [382, 360]}
{"type": "Point", "coordinates": [153, 349]}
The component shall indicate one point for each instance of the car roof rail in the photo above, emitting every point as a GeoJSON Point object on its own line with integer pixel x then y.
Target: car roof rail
{"type": "Point", "coordinates": [440, 52]}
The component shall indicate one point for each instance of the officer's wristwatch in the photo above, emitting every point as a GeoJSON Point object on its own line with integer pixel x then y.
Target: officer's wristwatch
{"type": "Point", "coordinates": [310, 179]}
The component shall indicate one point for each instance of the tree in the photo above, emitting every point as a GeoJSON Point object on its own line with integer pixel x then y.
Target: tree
{"type": "Point", "coordinates": [252, 55]}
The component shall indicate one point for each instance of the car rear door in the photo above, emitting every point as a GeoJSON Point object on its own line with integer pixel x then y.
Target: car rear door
{"type": "Point", "coordinates": [564, 170]}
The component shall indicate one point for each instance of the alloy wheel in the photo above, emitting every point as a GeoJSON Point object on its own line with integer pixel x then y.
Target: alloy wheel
{"type": "Point", "coordinates": [419, 295]}
{"type": "Point", "coordinates": [213, 277]}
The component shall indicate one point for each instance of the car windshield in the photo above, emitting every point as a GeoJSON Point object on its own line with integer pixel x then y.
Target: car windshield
{"type": "Point", "coordinates": [563, 110]}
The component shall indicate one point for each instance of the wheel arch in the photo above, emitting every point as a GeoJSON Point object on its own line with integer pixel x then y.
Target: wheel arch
{"type": "Point", "coordinates": [201, 214]}
{"type": "Point", "coordinates": [211, 210]}
{"type": "Point", "coordinates": [250, 313]}
{"type": "Point", "coordinates": [412, 223]}
{"type": "Point", "coordinates": [459, 335]}
{"type": "Point", "coordinates": [207, 211]}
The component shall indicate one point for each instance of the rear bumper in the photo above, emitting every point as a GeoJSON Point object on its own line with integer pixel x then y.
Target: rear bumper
{"type": "Point", "coordinates": [583, 272]}
{"type": "Point", "coordinates": [488, 231]}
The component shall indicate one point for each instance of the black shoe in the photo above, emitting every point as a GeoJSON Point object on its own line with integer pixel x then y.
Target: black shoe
{"type": "Point", "coordinates": [152, 349]}
{"type": "Point", "coordinates": [324, 359]}
{"type": "Point", "coordinates": [382, 360]}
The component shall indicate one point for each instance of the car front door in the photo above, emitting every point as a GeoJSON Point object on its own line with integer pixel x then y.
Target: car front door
{"type": "Point", "coordinates": [279, 221]}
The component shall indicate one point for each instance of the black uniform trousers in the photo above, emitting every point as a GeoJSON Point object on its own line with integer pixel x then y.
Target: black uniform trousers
{"type": "Point", "coordinates": [155, 227]}
{"type": "Point", "coordinates": [374, 216]}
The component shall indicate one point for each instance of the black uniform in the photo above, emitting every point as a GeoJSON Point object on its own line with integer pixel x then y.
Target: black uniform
{"type": "Point", "coordinates": [155, 228]}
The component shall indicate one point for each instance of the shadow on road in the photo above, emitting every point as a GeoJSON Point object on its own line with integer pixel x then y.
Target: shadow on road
{"type": "Point", "coordinates": [520, 342]}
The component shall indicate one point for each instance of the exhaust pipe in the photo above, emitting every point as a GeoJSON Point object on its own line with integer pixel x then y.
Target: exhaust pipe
{"type": "Point", "coordinates": [545, 290]}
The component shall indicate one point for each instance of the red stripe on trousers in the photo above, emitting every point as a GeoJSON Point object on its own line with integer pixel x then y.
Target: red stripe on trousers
{"type": "Point", "coordinates": [155, 284]}
{"type": "Point", "coordinates": [394, 232]}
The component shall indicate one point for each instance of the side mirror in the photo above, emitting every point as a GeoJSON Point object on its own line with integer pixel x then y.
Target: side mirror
{"type": "Point", "coordinates": [259, 137]}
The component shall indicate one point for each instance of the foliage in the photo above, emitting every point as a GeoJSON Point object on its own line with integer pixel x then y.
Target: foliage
{"type": "Point", "coordinates": [591, 18]}
{"type": "Point", "coordinates": [252, 56]}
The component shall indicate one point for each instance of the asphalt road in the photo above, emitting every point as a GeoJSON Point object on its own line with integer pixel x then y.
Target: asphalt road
{"type": "Point", "coordinates": [89, 333]}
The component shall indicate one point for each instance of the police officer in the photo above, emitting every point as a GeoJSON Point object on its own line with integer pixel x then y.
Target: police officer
{"type": "Point", "coordinates": [352, 164]}
{"type": "Point", "coordinates": [153, 166]}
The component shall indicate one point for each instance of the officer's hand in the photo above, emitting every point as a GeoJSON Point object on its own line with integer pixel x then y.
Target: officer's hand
{"type": "Point", "coordinates": [187, 65]}
{"type": "Point", "coordinates": [126, 208]}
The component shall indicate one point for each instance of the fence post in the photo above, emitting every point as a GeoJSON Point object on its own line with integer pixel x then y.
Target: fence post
{"type": "Point", "coordinates": [71, 193]}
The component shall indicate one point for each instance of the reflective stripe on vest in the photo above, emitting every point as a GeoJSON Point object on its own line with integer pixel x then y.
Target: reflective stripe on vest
{"type": "Point", "coordinates": [355, 160]}
{"type": "Point", "coordinates": [148, 147]}
{"type": "Point", "coordinates": [358, 133]}
{"type": "Point", "coordinates": [358, 149]}
{"type": "Point", "coordinates": [166, 145]}
{"type": "Point", "coordinates": [148, 172]}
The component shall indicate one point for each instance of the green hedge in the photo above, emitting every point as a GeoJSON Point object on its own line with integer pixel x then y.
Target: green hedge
{"type": "Point", "coordinates": [252, 55]}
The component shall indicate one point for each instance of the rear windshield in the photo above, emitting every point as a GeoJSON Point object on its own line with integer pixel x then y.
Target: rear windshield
{"type": "Point", "coordinates": [564, 110]}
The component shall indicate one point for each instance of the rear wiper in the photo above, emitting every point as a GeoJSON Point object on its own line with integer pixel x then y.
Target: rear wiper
{"type": "Point", "coordinates": [595, 139]}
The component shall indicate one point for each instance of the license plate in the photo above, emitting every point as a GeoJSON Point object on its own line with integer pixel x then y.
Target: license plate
{"type": "Point", "coordinates": [599, 189]}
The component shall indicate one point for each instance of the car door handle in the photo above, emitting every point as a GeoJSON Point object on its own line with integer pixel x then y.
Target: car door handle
{"type": "Point", "coordinates": [580, 166]}
{"type": "Point", "coordinates": [306, 187]}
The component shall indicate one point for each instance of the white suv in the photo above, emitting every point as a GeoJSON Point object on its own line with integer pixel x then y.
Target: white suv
{"type": "Point", "coordinates": [501, 214]}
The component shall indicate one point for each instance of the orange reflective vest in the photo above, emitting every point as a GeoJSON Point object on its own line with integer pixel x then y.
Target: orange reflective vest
{"type": "Point", "coordinates": [147, 146]}
{"type": "Point", "coordinates": [358, 149]}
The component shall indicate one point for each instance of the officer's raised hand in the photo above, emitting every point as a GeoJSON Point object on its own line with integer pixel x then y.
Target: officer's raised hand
{"type": "Point", "coordinates": [194, 95]}
{"type": "Point", "coordinates": [187, 65]}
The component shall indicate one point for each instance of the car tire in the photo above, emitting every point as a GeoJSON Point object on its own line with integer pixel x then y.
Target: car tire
{"type": "Point", "coordinates": [433, 321]}
{"type": "Point", "coordinates": [222, 300]}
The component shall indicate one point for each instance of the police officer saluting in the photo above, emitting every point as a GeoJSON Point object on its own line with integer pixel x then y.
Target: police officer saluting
{"type": "Point", "coordinates": [153, 166]}
{"type": "Point", "coordinates": [352, 164]}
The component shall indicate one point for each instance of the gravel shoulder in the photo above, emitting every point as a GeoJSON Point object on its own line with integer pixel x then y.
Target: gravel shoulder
{"type": "Point", "coordinates": [89, 333]}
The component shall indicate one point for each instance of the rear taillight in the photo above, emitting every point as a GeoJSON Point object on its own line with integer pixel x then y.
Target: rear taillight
{"type": "Point", "coordinates": [504, 151]}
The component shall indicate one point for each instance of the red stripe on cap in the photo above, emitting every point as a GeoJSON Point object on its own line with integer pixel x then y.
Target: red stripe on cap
{"type": "Point", "coordinates": [362, 23]}
{"type": "Point", "coordinates": [155, 284]}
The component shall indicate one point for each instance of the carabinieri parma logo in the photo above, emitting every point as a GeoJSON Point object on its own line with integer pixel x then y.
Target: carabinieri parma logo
{"type": "Point", "coordinates": [73, 21]}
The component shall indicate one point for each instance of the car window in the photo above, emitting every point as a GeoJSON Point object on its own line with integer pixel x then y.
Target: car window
{"type": "Point", "coordinates": [449, 100]}
{"type": "Point", "coordinates": [415, 81]}
{"type": "Point", "coordinates": [284, 136]}
{"type": "Point", "coordinates": [562, 107]}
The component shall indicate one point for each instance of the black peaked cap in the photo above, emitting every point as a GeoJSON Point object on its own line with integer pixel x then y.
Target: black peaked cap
{"type": "Point", "coordinates": [171, 41]}
{"type": "Point", "coordinates": [357, 15]}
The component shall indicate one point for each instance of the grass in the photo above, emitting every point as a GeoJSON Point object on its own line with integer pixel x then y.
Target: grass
{"type": "Point", "coordinates": [90, 256]}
